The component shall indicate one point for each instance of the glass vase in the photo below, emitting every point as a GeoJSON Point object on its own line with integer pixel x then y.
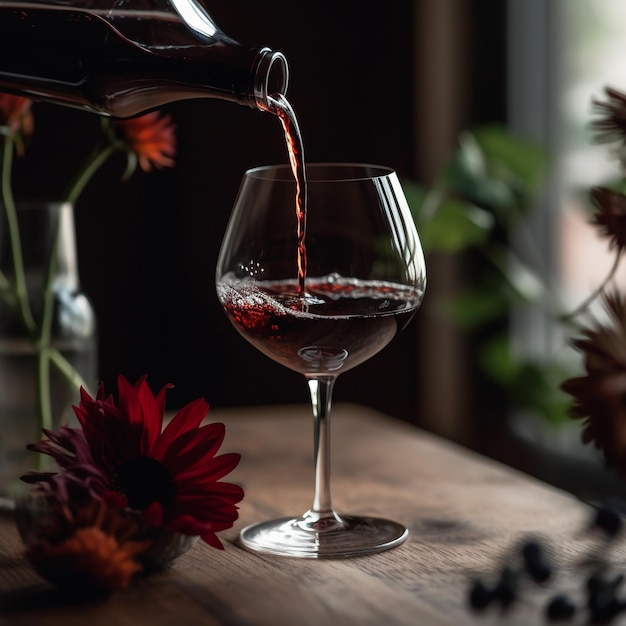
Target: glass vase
{"type": "Point", "coordinates": [48, 347]}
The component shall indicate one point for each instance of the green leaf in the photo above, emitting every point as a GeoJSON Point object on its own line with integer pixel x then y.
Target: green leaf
{"type": "Point", "coordinates": [512, 157]}
{"type": "Point", "coordinates": [530, 384]}
{"type": "Point", "coordinates": [473, 309]}
{"type": "Point", "coordinates": [470, 156]}
{"type": "Point", "coordinates": [456, 226]}
{"type": "Point", "coordinates": [494, 169]}
{"type": "Point", "coordinates": [538, 388]}
{"type": "Point", "coordinates": [496, 360]}
{"type": "Point", "coordinates": [469, 176]}
{"type": "Point", "coordinates": [524, 282]}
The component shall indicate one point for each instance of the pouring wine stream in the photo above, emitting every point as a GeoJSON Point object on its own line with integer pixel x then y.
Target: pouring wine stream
{"type": "Point", "coordinates": [321, 516]}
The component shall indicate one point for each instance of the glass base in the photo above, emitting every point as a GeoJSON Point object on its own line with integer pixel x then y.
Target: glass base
{"type": "Point", "coordinates": [340, 537]}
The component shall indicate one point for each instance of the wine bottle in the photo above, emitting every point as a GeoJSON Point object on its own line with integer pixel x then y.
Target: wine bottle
{"type": "Point", "coordinates": [124, 57]}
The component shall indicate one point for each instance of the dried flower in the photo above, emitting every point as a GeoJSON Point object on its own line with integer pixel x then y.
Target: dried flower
{"type": "Point", "coordinates": [87, 547]}
{"type": "Point", "coordinates": [171, 475]}
{"type": "Point", "coordinates": [80, 479]}
{"type": "Point", "coordinates": [612, 125]}
{"type": "Point", "coordinates": [599, 397]}
{"type": "Point", "coordinates": [610, 216]}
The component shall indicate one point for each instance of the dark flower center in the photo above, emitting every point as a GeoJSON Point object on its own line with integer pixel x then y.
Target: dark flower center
{"type": "Point", "coordinates": [143, 480]}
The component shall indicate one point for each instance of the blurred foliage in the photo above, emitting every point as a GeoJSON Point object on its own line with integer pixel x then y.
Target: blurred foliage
{"type": "Point", "coordinates": [483, 196]}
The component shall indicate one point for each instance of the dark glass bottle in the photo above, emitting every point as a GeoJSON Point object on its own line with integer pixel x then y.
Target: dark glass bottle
{"type": "Point", "coordinates": [124, 57]}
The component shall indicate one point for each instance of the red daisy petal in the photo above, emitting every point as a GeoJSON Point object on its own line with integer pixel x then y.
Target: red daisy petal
{"type": "Point", "coordinates": [212, 540]}
{"type": "Point", "coordinates": [137, 415]}
{"type": "Point", "coordinates": [230, 492]}
{"type": "Point", "coordinates": [215, 521]}
{"type": "Point", "coordinates": [209, 508]}
{"type": "Point", "coordinates": [211, 470]}
{"type": "Point", "coordinates": [202, 444]}
{"type": "Point", "coordinates": [187, 419]}
{"type": "Point", "coordinates": [187, 525]}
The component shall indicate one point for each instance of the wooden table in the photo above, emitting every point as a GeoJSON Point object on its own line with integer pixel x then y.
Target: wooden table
{"type": "Point", "coordinates": [464, 513]}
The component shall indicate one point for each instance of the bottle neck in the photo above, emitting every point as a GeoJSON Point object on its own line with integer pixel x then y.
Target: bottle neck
{"type": "Point", "coordinates": [270, 78]}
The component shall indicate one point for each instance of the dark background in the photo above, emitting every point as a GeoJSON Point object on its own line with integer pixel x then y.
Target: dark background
{"type": "Point", "coordinates": [361, 84]}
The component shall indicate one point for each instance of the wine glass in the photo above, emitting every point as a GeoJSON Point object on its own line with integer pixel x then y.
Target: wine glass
{"type": "Point", "coordinates": [320, 292]}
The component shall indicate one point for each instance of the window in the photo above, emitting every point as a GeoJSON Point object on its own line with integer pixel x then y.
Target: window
{"type": "Point", "coordinates": [562, 54]}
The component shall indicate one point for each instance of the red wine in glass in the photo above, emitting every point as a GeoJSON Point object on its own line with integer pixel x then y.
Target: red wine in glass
{"type": "Point", "coordinates": [341, 323]}
{"type": "Point", "coordinates": [362, 281]}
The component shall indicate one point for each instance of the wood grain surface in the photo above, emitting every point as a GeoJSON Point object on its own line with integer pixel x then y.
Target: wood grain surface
{"type": "Point", "coordinates": [466, 515]}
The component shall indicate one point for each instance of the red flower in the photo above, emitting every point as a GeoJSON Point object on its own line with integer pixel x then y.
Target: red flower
{"type": "Point", "coordinates": [152, 138]}
{"type": "Point", "coordinates": [16, 114]}
{"type": "Point", "coordinates": [171, 475]}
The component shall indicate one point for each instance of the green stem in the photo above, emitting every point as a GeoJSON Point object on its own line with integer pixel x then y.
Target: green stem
{"type": "Point", "coordinates": [43, 390]}
{"type": "Point", "coordinates": [7, 293]}
{"type": "Point", "coordinates": [21, 293]}
{"type": "Point", "coordinates": [64, 367]}
{"type": "Point", "coordinates": [44, 338]}
{"type": "Point", "coordinates": [100, 156]}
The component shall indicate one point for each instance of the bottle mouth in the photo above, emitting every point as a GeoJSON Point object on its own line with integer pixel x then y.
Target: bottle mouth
{"type": "Point", "coordinates": [271, 77]}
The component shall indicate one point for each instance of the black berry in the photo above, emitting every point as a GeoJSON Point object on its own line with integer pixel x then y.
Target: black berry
{"type": "Point", "coordinates": [608, 519]}
{"type": "Point", "coordinates": [506, 590]}
{"type": "Point", "coordinates": [480, 595]}
{"type": "Point", "coordinates": [536, 562]}
{"type": "Point", "coordinates": [532, 551]}
{"type": "Point", "coordinates": [601, 589]}
{"type": "Point", "coordinates": [560, 607]}
{"type": "Point", "coordinates": [540, 572]}
{"type": "Point", "coordinates": [607, 611]}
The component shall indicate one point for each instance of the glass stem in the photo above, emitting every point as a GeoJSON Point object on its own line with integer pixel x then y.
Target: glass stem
{"type": "Point", "coordinates": [321, 389]}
